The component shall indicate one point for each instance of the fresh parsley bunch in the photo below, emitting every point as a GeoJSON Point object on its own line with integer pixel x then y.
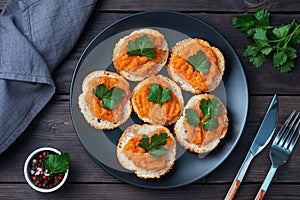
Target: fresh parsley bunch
{"type": "Point", "coordinates": [156, 145]}
{"type": "Point", "coordinates": [158, 94]}
{"type": "Point", "coordinates": [277, 40]}
{"type": "Point", "coordinates": [56, 163]}
{"type": "Point", "coordinates": [210, 109]}
{"type": "Point", "coordinates": [110, 97]}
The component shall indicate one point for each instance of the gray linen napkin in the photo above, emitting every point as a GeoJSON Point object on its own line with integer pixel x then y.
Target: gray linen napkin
{"type": "Point", "coordinates": [35, 36]}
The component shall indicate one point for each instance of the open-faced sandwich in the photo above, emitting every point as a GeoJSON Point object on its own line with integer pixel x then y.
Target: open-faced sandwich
{"type": "Point", "coordinates": [140, 54]}
{"type": "Point", "coordinates": [105, 99]}
{"type": "Point", "coordinates": [157, 100]}
{"type": "Point", "coordinates": [148, 150]}
{"type": "Point", "coordinates": [203, 124]}
{"type": "Point", "coordinates": [196, 66]}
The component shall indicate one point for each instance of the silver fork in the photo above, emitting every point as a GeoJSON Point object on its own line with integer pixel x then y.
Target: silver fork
{"type": "Point", "coordinates": [281, 149]}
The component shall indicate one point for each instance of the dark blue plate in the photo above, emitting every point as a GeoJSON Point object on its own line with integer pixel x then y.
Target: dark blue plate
{"type": "Point", "coordinates": [233, 91]}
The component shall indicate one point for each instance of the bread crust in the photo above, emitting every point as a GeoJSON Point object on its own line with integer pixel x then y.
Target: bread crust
{"type": "Point", "coordinates": [92, 120]}
{"type": "Point", "coordinates": [129, 164]}
{"type": "Point", "coordinates": [181, 81]}
{"type": "Point", "coordinates": [171, 85]}
{"type": "Point", "coordinates": [122, 42]}
{"type": "Point", "coordinates": [181, 132]}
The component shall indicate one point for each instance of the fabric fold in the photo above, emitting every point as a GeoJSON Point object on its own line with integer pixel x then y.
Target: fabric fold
{"type": "Point", "coordinates": [35, 36]}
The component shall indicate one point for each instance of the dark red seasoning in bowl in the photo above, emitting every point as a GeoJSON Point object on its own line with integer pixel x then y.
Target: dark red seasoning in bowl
{"type": "Point", "coordinates": [46, 169]}
{"type": "Point", "coordinates": [41, 176]}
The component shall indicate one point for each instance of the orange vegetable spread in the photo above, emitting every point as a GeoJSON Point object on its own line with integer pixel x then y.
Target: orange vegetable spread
{"type": "Point", "coordinates": [160, 114]}
{"type": "Point", "coordinates": [198, 80]}
{"type": "Point", "coordinates": [144, 159]}
{"type": "Point", "coordinates": [139, 65]}
{"type": "Point", "coordinates": [200, 137]}
{"type": "Point", "coordinates": [95, 104]}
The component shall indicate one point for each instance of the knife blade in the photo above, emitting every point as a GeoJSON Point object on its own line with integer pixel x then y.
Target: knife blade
{"type": "Point", "coordinates": [262, 138]}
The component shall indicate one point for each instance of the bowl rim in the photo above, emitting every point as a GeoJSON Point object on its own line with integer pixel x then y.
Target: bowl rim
{"type": "Point", "coordinates": [26, 173]}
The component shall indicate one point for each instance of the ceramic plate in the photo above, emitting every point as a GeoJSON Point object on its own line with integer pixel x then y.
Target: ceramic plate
{"type": "Point", "coordinates": [233, 91]}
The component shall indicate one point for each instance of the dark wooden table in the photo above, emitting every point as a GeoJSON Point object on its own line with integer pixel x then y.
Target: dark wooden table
{"type": "Point", "coordinates": [53, 126]}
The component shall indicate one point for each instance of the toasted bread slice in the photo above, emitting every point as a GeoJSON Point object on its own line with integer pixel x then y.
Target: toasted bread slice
{"type": "Point", "coordinates": [186, 76]}
{"type": "Point", "coordinates": [137, 68]}
{"type": "Point", "coordinates": [193, 137]}
{"type": "Point", "coordinates": [133, 157]}
{"type": "Point", "coordinates": [165, 114]}
{"type": "Point", "coordinates": [91, 107]}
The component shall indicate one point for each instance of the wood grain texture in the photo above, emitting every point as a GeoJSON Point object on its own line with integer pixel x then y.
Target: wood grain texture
{"type": "Point", "coordinates": [198, 5]}
{"type": "Point", "coordinates": [194, 5]}
{"type": "Point", "coordinates": [124, 192]}
{"type": "Point", "coordinates": [53, 125]}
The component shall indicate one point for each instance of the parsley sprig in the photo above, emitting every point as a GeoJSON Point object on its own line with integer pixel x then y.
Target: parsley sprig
{"type": "Point", "coordinates": [277, 40]}
{"type": "Point", "coordinates": [156, 145]}
{"type": "Point", "coordinates": [141, 46]}
{"type": "Point", "coordinates": [199, 62]}
{"type": "Point", "coordinates": [110, 97]}
{"type": "Point", "coordinates": [158, 94]}
{"type": "Point", "coordinates": [210, 109]}
{"type": "Point", "coordinates": [56, 163]}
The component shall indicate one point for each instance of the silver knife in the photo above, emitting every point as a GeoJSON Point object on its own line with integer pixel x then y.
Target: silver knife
{"type": "Point", "coordinates": [262, 138]}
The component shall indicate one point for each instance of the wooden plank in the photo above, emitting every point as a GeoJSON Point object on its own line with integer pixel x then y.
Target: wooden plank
{"type": "Point", "coordinates": [194, 5]}
{"type": "Point", "coordinates": [103, 191]}
{"type": "Point", "coordinates": [199, 5]}
{"type": "Point", "coordinates": [53, 127]}
{"type": "Point", "coordinates": [264, 78]}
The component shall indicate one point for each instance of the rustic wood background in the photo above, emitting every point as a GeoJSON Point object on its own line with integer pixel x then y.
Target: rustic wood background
{"type": "Point", "coordinates": [53, 126]}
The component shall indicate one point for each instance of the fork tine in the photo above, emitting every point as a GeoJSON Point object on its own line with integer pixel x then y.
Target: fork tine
{"type": "Point", "coordinates": [294, 141]}
{"type": "Point", "coordinates": [283, 128]}
{"type": "Point", "coordinates": [286, 134]}
{"type": "Point", "coordinates": [291, 136]}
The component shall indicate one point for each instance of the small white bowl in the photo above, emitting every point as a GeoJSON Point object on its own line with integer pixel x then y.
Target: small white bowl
{"type": "Point", "coordinates": [27, 176]}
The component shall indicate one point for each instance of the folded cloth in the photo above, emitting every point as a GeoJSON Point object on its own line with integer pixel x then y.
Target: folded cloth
{"type": "Point", "coordinates": [35, 36]}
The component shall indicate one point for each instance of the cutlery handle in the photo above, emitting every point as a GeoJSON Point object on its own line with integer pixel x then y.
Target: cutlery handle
{"type": "Point", "coordinates": [261, 193]}
{"type": "Point", "coordinates": [233, 189]}
{"type": "Point", "coordinates": [239, 177]}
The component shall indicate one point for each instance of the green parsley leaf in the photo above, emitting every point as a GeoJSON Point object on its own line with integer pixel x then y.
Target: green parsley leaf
{"type": "Point", "coordinates": [215, 107]}
{"type": "Point", "coordinates": [156, 145]}
{"type": "Point", "coordinates": [206, 107]}
{"type": "Point", "coordinates": [159, 95]}
{"type": "Point", "coordinates": [156, 153]}
{"type": "Point", "coordinates": [251, 50]}
{"type": "Point", "coordinates": [277, 40]}
{"type": "Point", "coordinates": [141, 46]}
{"type": "Point", "coordinates": [260, 37]}
{"type": "Point", "coordinates": [210, 124]}
{"type": "Point", "coordinates": [266, 50]}
{"type": "Point", "coordinates": [199, 62]}
{"type": "Point", "coordinates": [286, 67]}
{"type": "Point", "coordinates": [244, 23]}
{"type": "Point", "coordinates": [258, 60]}
{"type": "Point", "coordinates": [262, 17]}
{"type": "Point", "coordinates": [110, 98]}
{"type": "Point", "coordinates": [56, 163]}
{"type": "Point", "coordinates": [281, 31]}
{"type": "Point", "coordinates": [192, 117]}
{"type": "Point", "coordinates": [290, 52]}
{"type": "Point", "coordinates": [279, 58]}
{"type": "Point", "coordinates": [210, 109]}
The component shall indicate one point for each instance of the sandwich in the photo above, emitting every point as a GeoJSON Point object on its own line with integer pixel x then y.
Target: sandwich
{"type": "Point", "coordinates": [157, 100]}
{"type": "Point", "coordinates": [140, 54]}
{"type": "Point", "coordinates": [148, 150]}
{"type": "Point", "coordinates": [203, 123]}
{"type": "Point", "coordinates": [105, 99]}
{"type": "Point", "coordinates": [196, 66]}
